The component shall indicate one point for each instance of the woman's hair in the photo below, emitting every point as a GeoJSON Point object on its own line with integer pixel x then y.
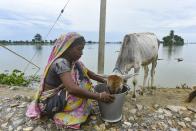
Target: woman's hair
{"type": "Point", "coordinates": [77, 41]}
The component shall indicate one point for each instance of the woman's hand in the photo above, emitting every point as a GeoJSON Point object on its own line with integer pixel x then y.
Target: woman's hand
{"type": "Point", "coordinates": [106, 97]}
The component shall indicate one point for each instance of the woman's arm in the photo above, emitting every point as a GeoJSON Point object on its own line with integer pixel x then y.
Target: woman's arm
{"type": "Point", "coordinates": [96, 77]}
{"type": "Point", "coordinates": [74, 89]}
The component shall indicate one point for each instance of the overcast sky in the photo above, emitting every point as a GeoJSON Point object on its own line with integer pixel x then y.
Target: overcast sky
{"type": "Point", "coordinates": [22, 19]}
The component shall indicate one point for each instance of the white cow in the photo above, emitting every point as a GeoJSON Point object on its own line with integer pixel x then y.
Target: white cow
{"type": "Point", "coordinates": [138, 49]}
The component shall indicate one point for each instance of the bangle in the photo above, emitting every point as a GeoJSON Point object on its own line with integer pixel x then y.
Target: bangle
{"type": "Point", "coordinates": [100, 95]}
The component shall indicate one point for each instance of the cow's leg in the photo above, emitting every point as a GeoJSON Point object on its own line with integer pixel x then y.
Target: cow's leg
{"type": "Point", "coordinates": [145, 77]}
{"type": "Point", "coordinates": [127, 69]}
{"type": "Point", "coordinates": [136, 70]}
{"type": "Point", "coordinates": [154, 63]}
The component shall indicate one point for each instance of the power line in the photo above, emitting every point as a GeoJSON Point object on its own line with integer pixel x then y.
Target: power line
{"type": "Point", "coordinates": [57, 18]}
{"type": "Point", "coordinates": [50, 30]}
{"type": "Point", "coordinates": [20, 56]}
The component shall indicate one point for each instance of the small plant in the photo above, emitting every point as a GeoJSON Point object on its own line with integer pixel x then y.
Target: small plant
{"type": "Point", "coordinates": [16, 78]}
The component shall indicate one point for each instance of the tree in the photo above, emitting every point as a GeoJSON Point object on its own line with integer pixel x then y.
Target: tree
{"type": "Point", "coordinates": [172, 39]}
{"type": "Point", "coordinates": [172, 33]}
{"type": "Point", "coordinates": [37, 38]}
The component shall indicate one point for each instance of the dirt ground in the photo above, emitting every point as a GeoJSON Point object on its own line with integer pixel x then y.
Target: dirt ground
{"type": "Point", "coordinates": [5, 91]}
{"type": "Point", "coordinates": [163, 97]}
{"type": "Point", "coordinates": [160, 96]}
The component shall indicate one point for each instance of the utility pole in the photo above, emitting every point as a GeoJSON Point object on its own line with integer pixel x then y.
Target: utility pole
{"type": "Point", "coordinates": [102, 37]}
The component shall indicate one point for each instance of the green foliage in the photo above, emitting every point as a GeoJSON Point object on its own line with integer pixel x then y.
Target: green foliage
{"type": "Point", "coordinates": [172, 39]}
{"type": "Point", "coordinates": [38, 38]}
{"type": "Point", "coordinates": [16, 78]}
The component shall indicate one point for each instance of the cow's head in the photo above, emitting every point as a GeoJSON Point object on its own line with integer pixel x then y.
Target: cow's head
{"type": "Point", "coordinates": [125, 57]}
{"type": "Point", "coordinates": [115, 82]}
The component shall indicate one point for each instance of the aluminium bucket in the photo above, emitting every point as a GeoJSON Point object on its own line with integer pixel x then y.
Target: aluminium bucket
{"type": "Point", "coordinates": [112, 112]}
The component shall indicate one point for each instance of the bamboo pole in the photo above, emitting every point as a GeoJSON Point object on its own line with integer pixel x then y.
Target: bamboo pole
{"type": "Point", "coordinates": [101, 51]}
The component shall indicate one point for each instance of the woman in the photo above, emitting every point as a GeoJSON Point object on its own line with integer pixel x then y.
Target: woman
{"type": "Point", "coordinates": [66, 90]}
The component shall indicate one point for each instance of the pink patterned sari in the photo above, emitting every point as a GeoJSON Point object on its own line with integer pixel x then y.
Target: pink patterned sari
{"type": "Point", "coordinates": [77, 109]}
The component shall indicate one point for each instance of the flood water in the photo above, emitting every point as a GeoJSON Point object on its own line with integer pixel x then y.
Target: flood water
{"type": "Point", "coordinates": [169, 72]}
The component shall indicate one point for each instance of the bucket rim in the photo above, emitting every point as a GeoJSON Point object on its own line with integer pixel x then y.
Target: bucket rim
{"type": "Point", "coordinates": [125, 92]}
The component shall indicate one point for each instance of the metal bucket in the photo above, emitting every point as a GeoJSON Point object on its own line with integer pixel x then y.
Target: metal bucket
{"type": "Point", "coordinates": [112, 112]}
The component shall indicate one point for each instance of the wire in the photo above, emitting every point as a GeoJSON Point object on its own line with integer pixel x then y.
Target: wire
{"type": "Point", "coordinates": [20, 56]}
{"type": "Point", "coordinates": [50, 30]}
{"type": "Point", "coordinates": [57, 18]}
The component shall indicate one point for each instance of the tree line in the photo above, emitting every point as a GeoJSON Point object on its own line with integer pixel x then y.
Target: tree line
{"type": "Point", "coordinates": [37, 39]}
{"type": "Point", "coordinates": [169, 40]}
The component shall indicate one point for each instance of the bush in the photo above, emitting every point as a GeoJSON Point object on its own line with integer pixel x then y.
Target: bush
{"type": "Point", "coordinates": [16, 78]}
{"type": "Point", "coordinates": [172, 39]}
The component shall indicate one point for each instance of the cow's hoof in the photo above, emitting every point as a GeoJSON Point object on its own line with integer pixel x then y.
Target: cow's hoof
{"type": "Point", "coordinates": [134, 96]}
{"type": "Point", "coordinates": [142, 93]}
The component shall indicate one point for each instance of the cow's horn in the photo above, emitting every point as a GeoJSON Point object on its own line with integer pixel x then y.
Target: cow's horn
{"type": "Point", "coordinates": [125, 77]}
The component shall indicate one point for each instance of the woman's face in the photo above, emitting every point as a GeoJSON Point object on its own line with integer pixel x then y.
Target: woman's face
{"type": "Point", "coordinates": [76, 52]}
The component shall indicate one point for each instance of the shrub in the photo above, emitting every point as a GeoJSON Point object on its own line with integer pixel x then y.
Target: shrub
{"type": "Point", "coordinates": [16, 78]}
{"type": "Point", "coordinates": [172, 39]}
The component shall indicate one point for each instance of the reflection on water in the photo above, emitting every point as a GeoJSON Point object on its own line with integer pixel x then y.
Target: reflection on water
{"type": "Point", "coordinates": [172, 51]}
{"type": "Point", "coordinates": [169, 72]}
{"type": "Point", "coordinates": [38, 47]}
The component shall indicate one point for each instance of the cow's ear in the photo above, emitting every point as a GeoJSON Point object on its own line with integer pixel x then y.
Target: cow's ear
{"type": "Point", "coordinates": [126, 39]}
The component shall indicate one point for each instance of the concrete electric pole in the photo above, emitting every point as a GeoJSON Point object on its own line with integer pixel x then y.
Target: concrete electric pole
{"type": "Point", "coordinates": [101, 52]}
